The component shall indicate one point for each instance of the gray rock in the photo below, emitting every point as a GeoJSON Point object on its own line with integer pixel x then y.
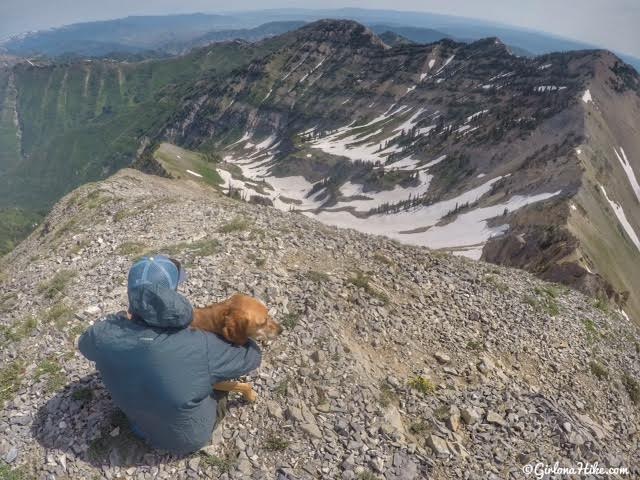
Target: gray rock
{"type": "Point", "coordinates": [495, 419]}
{"type": "Point", "coordinates": [11, 455]}
{"type": "Point", "coordinates": [438, 445]}
{"type": "Point", "coordinates": [471, 415]}
{"type": "Point", "coordinates": [442, 357]}
{"type": "Point", "coordinates": [311, 429]}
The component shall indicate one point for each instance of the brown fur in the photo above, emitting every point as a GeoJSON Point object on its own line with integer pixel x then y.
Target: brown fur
{"type": "Point", "coordinates": [237, 319]}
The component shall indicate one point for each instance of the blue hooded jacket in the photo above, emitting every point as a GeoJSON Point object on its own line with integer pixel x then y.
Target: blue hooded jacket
{"type": "Point", "coordinates": [160, 373]}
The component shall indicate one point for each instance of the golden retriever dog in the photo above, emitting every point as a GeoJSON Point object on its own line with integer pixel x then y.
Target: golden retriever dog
{"type": "Point", "coordinates": [237, 319]}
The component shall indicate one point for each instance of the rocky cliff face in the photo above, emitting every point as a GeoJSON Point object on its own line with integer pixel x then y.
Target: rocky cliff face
{"type": "Point", "coordinates": [396, 362]}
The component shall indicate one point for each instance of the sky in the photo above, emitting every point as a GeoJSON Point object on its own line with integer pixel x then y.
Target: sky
{"type": "Point", "coordinates": [611, 24]}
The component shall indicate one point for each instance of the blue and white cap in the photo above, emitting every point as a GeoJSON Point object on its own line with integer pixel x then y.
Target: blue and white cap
{"type": "Point", "coordinates": [157, 270]}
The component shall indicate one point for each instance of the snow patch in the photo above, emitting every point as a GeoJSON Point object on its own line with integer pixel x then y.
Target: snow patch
{"type": "Point", "coordinates": [467, 233]}
{"type": "Point", "coordinates": [191, 172]}
{"type": "Point", "coordinates": [622, 218]}
{"type": "Point", "coordinates": [586, 96]}
{"type": "Point", "coordinates": [628, 170]}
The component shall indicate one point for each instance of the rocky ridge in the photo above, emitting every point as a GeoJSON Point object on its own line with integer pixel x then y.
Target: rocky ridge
{"type": "Point", "coordinates": [397, 362]}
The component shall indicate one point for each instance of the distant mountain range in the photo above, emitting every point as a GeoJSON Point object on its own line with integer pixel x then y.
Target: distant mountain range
{"type": "Point", "coordinates": [171, 34]}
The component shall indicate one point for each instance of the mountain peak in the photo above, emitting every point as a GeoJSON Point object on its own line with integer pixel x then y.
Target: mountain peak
{"type": "Point", "coordinates": [340, 31]}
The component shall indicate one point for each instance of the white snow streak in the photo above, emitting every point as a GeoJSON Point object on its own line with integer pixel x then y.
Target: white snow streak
{"type": "Point", "coordinates": [624, 161]}
{"type": "Point", "coordinates": [622, 218]}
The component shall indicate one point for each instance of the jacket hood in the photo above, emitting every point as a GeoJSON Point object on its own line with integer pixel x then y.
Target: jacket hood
{"type": "Point", "coordinates": [159, 306]}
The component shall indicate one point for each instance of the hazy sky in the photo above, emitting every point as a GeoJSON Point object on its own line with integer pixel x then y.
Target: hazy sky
{"type": "Point", "coordinates": [612, 24]}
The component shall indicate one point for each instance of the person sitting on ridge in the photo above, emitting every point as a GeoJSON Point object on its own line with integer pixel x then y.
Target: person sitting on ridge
{"type": "Point", "coordinates": [159, 372]}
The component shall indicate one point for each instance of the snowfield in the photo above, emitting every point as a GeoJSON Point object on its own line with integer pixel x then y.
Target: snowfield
{"type": "Point", "coordinates": [467, 233]}
{"type": "Point", "coordinates": [426, 225]}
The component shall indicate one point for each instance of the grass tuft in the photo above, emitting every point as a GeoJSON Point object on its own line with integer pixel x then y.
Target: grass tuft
{"type": "Point", "coordinates": [20, 329]}
{"type": "Point", "coordinates": [282, 389]}
{"type": "Point", "coordinates": [387, 396]}
{"type": "Point", "coordinates": [223, 465]}
{"type": "Point", "coordinates": [383, 259]}
{"type": "Point", "coordinates": [54, 374]}
{"type": "Point", "coordinates": [273, 443]}
{"type": "Point", "coordinates": [57, 284]}
{"type": "Point", "coordinates": [238, 224]}
{"type": "Point", "coordinates": [59, 314]}
{"type": "Point", "coordinates": [10, 379]}
{"type": "Point", "coordinates": [132, 249]}
{"type": "Point", "coordinates": [290, 320]}
{"type": "Point", "coordinates": [545, 299]}
{"type": "Point", "coordinates": [591, 330]}
{"type": "Point", "coordinates": [317, 277]}
{"type": "Point", "coordinates": [6, 473]}
{"type": "Point", "coordinates": [601, 304]}
{"type": "Point", "coordinates": [419, 428]}
{"type": "Point", "coordinates": [362, 280]}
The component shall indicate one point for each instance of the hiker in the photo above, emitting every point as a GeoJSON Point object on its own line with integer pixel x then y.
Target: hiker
{"type": "Point", "coordinates": [159, 372]}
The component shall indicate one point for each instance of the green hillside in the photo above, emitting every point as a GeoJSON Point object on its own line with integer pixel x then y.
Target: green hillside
{"type": "Point", "coordinates": [83, 121]}
{"type": "Point", "coordinates": [9, 134]}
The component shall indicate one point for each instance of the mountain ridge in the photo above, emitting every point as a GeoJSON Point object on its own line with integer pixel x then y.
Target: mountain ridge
{"type": "Point", "coordinates": [396, 362]}
{"type": "Point", "coordinates": [524, 41]}
{"type": "Point", "coordinates": [569, 268]}
{"type": "Point", "coordinates": [450, 144]}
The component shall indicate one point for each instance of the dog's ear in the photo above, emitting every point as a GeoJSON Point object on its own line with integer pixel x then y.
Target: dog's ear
{"type": "Point", "coordinates": [235, 328]}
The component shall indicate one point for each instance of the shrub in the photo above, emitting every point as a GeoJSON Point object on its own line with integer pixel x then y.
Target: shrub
{"type": "Point", "coordinates": [318, 277]}
{"type": "Point", "coordinates": [423, 385]}
{"type": "Point", "coordinates": [632, 386]}
{"type": "Point", "coordinates": [598, 370]}
{"type": "Point", "coordinates": [274, 443]}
